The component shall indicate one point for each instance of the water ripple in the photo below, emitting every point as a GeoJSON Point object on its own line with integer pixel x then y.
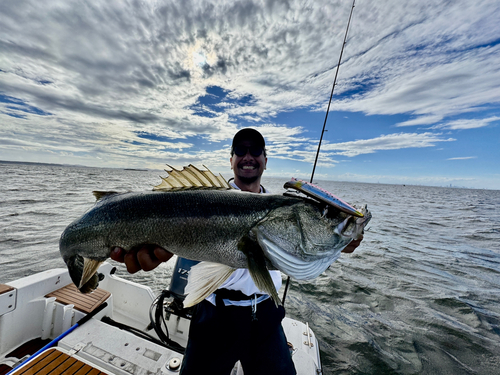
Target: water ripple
{"type": "Point", "coordinates": [421, 295]}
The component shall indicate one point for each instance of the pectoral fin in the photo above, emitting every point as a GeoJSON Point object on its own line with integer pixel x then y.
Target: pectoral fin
{"type": "Point", "coordinates": [205, 278]}
{"type": "Point", "coordinates": [257, 267]}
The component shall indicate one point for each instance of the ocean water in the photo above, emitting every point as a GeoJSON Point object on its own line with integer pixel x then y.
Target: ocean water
{"type": "Point", "coordinates": [421, 295]}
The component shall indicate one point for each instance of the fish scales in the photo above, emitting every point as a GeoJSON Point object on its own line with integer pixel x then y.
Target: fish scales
{"type": "Point", "coordinates": [187, 223]}
{"type": "Point", "coordinates": [296, 235]}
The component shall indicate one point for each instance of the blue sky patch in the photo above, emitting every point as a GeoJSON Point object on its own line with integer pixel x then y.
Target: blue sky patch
{"type": "Point", "coordinates": [22, 106]}
{"type": "Point", "coordinates": [152, 137]}
{"type": "Point", "coordinates": [16, 115]}
{"type": "Point", "coordinates": [10, 99]}
{"type": "Point", "coordinates": [216, 100]}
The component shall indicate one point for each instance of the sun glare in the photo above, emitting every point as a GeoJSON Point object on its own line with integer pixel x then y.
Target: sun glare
{"type": "Point", "coordinates": [199, 56]}
{"type": "Point", "coordinates": [199, 59]}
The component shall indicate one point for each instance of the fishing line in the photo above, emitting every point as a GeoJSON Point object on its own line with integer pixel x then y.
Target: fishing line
{"type": "Point", "coordinates": [326, 117]}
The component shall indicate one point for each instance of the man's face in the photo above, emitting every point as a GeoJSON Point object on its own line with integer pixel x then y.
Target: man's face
{"type": "Point", "coordinates": [248, 168]}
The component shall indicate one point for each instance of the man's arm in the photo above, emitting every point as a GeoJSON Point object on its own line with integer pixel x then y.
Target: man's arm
{"type": "Point", "coordinates": [146, 258]}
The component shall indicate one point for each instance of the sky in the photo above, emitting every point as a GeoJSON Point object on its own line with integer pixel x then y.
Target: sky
{"type": "Point", "coordinates": [141, 84]}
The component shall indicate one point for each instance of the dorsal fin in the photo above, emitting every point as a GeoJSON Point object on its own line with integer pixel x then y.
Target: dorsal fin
{"type": "Point", "coordinates": [102, 194]}
{"type": "Point", "coordinates": [191, 177]}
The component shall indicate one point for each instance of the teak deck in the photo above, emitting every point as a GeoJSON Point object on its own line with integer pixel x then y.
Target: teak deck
{"type": "Point", "coordinates": [55, 362]}
{"type": "Point", "coordinates": [82, 302]}
{"type": "Point", "coordinates": [5, 288]}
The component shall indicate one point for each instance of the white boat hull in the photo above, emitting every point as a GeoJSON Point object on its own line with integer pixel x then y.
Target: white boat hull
{"type": "Point", "coordinates": [26, 313]}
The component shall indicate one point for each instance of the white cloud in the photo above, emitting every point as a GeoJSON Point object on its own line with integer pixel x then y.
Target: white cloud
{"type": "Point", "coordinates": [463, 158]}
{"type": "Point", "coordinates": [137, 61]}
{"type": "Point", "coordinates": [90, 76]}
{"type": "Point", "coordinates": [464, 124]}
{"type": "Point", "coordinates": [386, 142]}
{"type": "Point", "coordinates": [433, 90]}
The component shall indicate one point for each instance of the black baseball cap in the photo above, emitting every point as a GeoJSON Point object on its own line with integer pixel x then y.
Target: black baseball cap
{"type": "Point", "coordinates": [249, 134]}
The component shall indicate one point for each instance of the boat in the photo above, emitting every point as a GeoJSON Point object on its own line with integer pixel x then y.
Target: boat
{"type": "Point", "coordinates": [48, 327]}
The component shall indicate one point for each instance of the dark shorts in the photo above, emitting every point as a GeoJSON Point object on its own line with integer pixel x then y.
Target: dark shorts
{"type": "Point", "coordinates": [220, 336]}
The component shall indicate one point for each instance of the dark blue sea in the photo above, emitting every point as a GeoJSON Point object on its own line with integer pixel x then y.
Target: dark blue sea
{"type": "Point", "coordinates": [421, 295]}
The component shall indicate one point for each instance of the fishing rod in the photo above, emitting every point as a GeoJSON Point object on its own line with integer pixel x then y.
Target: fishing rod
{"type": "Point", "coordinates": [326, 117]}
{"type": "Point", "coordinates": [333, 88]}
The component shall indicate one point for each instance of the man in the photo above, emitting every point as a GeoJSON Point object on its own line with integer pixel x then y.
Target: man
{"type": "Point", "coordinates": [238, 321]}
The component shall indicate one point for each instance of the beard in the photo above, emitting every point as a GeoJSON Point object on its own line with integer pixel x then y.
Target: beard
{"type": "Point", "coordinates": [248, 180]}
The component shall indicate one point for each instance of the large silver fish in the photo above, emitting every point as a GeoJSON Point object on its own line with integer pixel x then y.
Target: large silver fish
{"type": "Point", "coordinates": [230, 229]}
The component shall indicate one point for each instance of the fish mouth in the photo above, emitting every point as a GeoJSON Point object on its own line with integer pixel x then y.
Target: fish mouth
{"type": "Point", "coordinates": [83, 273]}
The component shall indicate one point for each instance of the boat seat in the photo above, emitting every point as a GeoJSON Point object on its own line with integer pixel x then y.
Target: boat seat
{"type": "Point", "coordinates": [86, 303]}
{"type": "Point", "coordinates": [53, 361]}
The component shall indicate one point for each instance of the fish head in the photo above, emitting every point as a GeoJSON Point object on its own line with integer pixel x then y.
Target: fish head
{"type": "Point", "coordinates": [304, 239]}
{"type": "Point", "coordinates": [82, 264]}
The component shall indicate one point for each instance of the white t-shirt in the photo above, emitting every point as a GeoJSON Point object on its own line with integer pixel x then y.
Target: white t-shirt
{"type": "Point", "coordinates": [242, 280]}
